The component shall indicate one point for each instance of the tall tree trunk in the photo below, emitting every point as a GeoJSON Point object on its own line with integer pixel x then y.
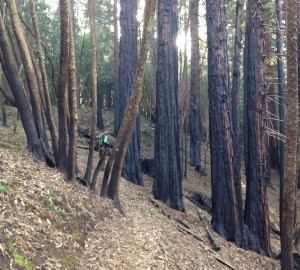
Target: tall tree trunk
{"type": "Point", "coordinates": [116, 70]}
{"type": "Point", "coordinates": [33, 143]}
{"type": "Point", "coordinates": [128, 57]}
{"type": "Point", "coordinates": [73, 123]}
{"type": "Point", "coordinates": [131, 112]}
{"type": "Point", "coordinates": [281, 94]}
{"type": "Point", "coordinates": [256, 206]}
{"type": "Point", "coordinates": [167, 185]}
{"type": "Point", "coordinates": [28, 68]}
{"type": "Point", "coordinates": [195, 116]}
{"type": "Point", "coordinates": [48, 109]}
{"type": "Point", "coordinates": [290, 164]}
{"type": "Point", "coordinates": [236, 75]}
{"type": "Point", "coordinates": [227, 215]}
{"type": "Point", "coordinates": [88, 172]}
{"type": "Point", "coordinates": [62, 104]}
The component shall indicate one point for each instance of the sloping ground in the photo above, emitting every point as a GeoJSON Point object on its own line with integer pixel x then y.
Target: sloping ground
{"type": "Point", "coordinates": [46, 223]}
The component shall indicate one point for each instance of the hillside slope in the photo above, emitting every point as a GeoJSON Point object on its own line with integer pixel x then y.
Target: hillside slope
{"type": "Point", "coordinates": [47, 223]}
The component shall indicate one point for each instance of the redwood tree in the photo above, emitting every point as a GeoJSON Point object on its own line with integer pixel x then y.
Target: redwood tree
{"type": "Point", "coordinates": [167, 184]}
{"type": "Point", "coordinates": [256, 214]}
{"type": "Point", "coordinates": [128, 59]}
{"type": "Point", "coordinates": [227, 215]}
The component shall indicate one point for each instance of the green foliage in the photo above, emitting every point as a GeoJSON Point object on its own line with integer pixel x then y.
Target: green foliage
{"type": "Point", "coordinates": [48, 202]}
{"type": "Point", "coordinates": [18, 258]}
{"type": "Point", "coordinates": [3, 187]}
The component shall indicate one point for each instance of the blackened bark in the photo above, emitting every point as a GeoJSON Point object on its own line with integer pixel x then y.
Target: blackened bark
{"type": "Point", "coordinates": [128, 59]}
{"type": "Point", "coordinates": [236, 74]}
{"type": "Point", "coordinates": [167, 185]}
{"type": "Point", "coordinates": [195, 117]}
{"type": "Point", "coordinates": [227, 216]}
{"type": "Point", "coordinates": [256, 207]}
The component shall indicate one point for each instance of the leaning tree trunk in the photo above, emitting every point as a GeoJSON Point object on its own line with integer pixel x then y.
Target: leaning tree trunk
{"type": "Point", "coordinates": [28, 68]}
{"type": "Point", "coordinates": [167, 184]}
{"type": "Point", "coordinates": [256, 207]}
{"type": "Point", "coordinates": [88, 172]}
{"type": "Point", "coordinates": [227, 208]}
{"type": "Point", "coordinates": [131, 112]}
{"type": "Point", "coordinates": [195, 116]}
{"type": "Point", "coordinates": [48, 108]}
{"type": "Point", "coordinates": [290, 164]}
{"type": "Point", "coordinates": [21, 101]}
{"type": "Point", "coordinates": [128, 58]}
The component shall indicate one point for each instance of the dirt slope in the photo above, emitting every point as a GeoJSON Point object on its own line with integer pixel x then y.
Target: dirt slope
{"type": "Point", "coordinates": [46, 223]}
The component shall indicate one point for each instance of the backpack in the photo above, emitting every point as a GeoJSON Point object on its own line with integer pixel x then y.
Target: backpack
{"type": "Point", "coordinates": [99, 141]}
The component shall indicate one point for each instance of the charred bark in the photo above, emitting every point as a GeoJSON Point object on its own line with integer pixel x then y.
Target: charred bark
{"type": "Point", "coordinates": [167, 185]}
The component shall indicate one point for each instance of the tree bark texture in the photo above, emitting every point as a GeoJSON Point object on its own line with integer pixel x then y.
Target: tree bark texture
{"type": "Point", "coordinates": [167, 185]}
{"type": "Point", "coordinates": [290, 164]}
{"type": "Point", "coordinates": [62, 102]}
{"type": "Point", "coordinates": [116, 70]}
{"type": "Point", "coordinates": [227, 215]}
{"type": "Point", "coordinates": [128, 58]}
{"type": "Point", "coordinates": [236, 75]}
{"type": "Point", "coordinates": [73, 111]}
{"type": "Point", "coordinates": [256, 207]}
{"type": "Point", "coordinates": [89, 166]}
{"type": "Point", "coordinates": [21, 100]}
{"type": "Point", "coordinates": [281, 94]}
{"type": "Point", "coordinates": [195, 116]}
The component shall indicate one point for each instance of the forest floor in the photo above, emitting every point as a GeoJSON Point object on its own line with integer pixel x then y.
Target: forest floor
{"type": "Point", "coordinates": [47, 223]}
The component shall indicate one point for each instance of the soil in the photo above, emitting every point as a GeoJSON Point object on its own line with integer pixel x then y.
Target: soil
{"type": "Point", "coordinates": [48, 223]}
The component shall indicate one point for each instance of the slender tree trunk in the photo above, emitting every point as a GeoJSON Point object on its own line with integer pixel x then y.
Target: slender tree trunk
{"type": "Point", "coordinates": [88, 172]}
{"type": "Point", "coordinates": [62, 104]}
{"type": "Point", "coordinates": [73, 123]}
{"type": "Point", "coordinates": [21, 101]}
{"type": "Point", "coordinates": [48, 108]}
{"type": "Point", "coordinates": [281, 94]}
{"type": "Point", "coordinates": [256, 206]}
{"type": "Point", "coordinates": [227, 215]}
{"type": "Point", "coordinates": [195, 116]}
{"type": "Point", "coordinates": [116, 70]}
{"type": "Point", "coordinates": [131, 112]}
{"type": "Point", "coordinates": [28, 68]}
{"type": "Point", "coordinates": [290, 164]}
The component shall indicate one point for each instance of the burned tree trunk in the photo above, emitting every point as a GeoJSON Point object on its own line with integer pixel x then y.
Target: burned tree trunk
{"type": "Point", "coordinates": [256, 214]}
{"type": "Point", "coordinates": [167, 185]}
{"type": "Point", "coordinates": [227, 215]}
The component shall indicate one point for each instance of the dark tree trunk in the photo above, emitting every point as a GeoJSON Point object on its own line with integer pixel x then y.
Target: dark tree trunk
{"type": "Point", "coordinates": [256, 206]}
{"type": "Point", "coordinates": [4, 118]}
{"type": "Point", "coordinates": [100, 123]}
{"type": "Point", "coordinates": [281, 94]}
{"type": "Point", "coordinates": [227, 208]}
{"type": "Point", "coordinates": [195, 117]}
{"type": "Point", "coordinates": [167, 185]}
{"type": "Point", "coordinates": [128, 58]}
{"type": "Point", "coordinates": [62, 105]}
{"type": "Point", "coordinates": [236, 74]}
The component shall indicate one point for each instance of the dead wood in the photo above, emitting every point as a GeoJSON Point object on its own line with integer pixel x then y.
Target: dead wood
{"type": "Point", "coordinates": [208, 230]}
{"type": "Point", "coordinates": [205, 207]}
{"type": "Point", "coordinates": [214, 253]}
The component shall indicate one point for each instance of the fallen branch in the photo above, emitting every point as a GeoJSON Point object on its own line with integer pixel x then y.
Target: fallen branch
{"type": "Point", "coordinates": [209, 232]}
{"type": "Point", "coordinates": [82, 146]}
{"type": "Point", "coordinates": [214, 254]}
{"type": "Point", "coordinates": [201, 206]}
